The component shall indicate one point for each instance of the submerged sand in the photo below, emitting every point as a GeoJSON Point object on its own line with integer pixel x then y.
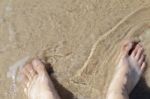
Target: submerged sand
{"type": "Point", "coordinates": [81, 40]}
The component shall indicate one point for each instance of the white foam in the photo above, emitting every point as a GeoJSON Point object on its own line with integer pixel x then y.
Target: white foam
{"type": "Point", "coordinates": [12, 74]}
{"type": "Point", "coordinates": [13, 69]}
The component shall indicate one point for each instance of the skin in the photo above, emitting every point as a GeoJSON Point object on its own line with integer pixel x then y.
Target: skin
{"type": "Point", "coordinates": [128, 71]}
{"type": "Point", "coordinates": [38, 85]}
{"type": "Point", "coordinates": [36, 82]}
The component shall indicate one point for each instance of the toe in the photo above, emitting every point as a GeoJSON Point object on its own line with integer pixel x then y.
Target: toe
{"type": "Point", "coordinates": [38, 66]}
{"type": "Point", "coordinates": [26, 72]}
{"type": "Point", "coordinates": [141, 60]}
{"type": "Point", "coordinates": [23, 79]}
{"type": "Point", "coordinates": [139, 53]}
{"type": "Point", "coordinates": [127, 47]}
{"type": "Point", "coordinates": [134, 52]}
{"type": "Point", "coordinates": [31, 70]}
{"type": "Point", "coordinates": [28, 69]}
{"type": "Point", "coordinates": [143, 66]}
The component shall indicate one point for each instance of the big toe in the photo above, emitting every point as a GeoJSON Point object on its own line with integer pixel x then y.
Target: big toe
{"type": "Point", "coordinates": [38, 66]}
{"type": "Point", "coordinates": [128, 45]}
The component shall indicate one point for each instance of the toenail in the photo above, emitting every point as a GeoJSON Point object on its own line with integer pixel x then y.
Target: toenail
{"type": "Point", "coordinates": [36, 62]}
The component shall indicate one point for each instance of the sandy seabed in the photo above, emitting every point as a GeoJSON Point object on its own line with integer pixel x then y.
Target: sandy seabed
{"type": "Point", "coordinates": [81, 40]}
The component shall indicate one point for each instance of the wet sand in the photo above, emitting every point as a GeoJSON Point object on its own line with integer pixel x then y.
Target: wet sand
{"type": "Point", "coordinates": [81, 40]}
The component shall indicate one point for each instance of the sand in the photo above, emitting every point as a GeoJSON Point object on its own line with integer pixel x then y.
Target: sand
{"type": "Point", "coordinates": [81, 40]}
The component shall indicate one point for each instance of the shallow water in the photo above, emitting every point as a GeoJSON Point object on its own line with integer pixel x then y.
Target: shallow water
{"type": "Point", "coordinates": [80, 38]}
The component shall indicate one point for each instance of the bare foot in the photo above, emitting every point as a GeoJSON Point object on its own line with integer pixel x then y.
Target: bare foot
{"type": "Point", "coordinates": [129, 71]}
{"type": "Point", "coordinates": [36, 82]}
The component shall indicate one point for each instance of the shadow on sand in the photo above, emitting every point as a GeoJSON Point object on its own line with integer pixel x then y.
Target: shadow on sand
{"type": "Point", "coordinates": [141, 91]}
{"type": "Point", "coordinates": [62, 91]}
